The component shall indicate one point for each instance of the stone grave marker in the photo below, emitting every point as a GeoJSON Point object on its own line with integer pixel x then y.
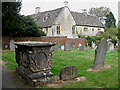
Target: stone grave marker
{"type": "Point", "coordinates": [67, 46]}
{"type": "Point", "coordinates": [100, 54]}
{"type": "Point", "coordinates": [81, 48]}
{"type": "Point", "coordinates": [34, 62]}
{"type": "Point", "coordinates": [62, 47]}
{"type": "Point", "coordinates": [68, 72]}
{"type": "Point", "coordinates": [12, 45]}
{"type": "Point", "coordinates": [76, 46]}
{"type": "Point", "coordinates": [110, 46]}
{"type": "Point", "coordinates": [93, 45]}
{"type": "Point", "coordinates": [55, 48]}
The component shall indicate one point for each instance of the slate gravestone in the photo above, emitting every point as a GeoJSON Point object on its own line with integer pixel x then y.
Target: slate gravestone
{"type": "Point", "coordinates": [34, 61]}
{"type": "Point", "coordinates": [68, 72]}
{"type": "Point", "coordinates": [110, 46]}
{"type": "Point", "coordinates": [62, 47]}
{"type": "Point", "coordinates": [100, 54]}
{"type": "Point", "coordinates": [67, 46]}
{"type": "Point", "coordinates": [81, 48]}
{"type": "Point", "coordinates": [12, 45]}
{"type": "Point", "coordinates": [55, 48]}
{"type": "Point", "coordinates": [76, 46]}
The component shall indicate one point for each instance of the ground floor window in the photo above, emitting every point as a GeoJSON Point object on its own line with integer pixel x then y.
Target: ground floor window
{"type": "Point", "coordinates": [58, 29]}
{"type": "Point", "coordinates": [73, 29]}
{"type": "Point", "coordinates": [85, 29]}
{"type": "Point", "coordinates": [46, 30]}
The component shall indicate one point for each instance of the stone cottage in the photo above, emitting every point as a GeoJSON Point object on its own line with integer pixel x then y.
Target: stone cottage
{"type": "Point", "coordinates": [63, 22]}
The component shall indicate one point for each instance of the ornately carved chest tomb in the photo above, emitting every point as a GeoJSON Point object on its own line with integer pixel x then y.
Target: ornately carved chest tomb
{"type": "Point", "coordinates": [34, 61]}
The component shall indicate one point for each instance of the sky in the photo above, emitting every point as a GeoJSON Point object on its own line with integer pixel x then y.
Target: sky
{"type": "Point", "coordinates": [28, 6]}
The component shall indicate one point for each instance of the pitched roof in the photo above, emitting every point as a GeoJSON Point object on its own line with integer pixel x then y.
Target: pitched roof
{"type": "Point", "coordinates": [86, 20]}
{"type": "Point", "coordinates": [79, 18]}
{"type": "Point", "coordinates": [52, 15]}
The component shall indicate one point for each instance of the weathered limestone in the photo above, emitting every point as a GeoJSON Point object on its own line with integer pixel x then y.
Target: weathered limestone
{"type": "Point", "coordinates": [12, 46]}
{"type": "Point", "coordinates": [34, 62]}
{"type": "Point", "coordinates": [68, 46]}
{"type": "Point", "coordinates": [100, 54]}
{"type": "Point", "coordinates": [110, 46]}
{"type": "Point", "coordinates": [55, 48]}
{"type": "Point", "coordinates": [68, 72]}
{"type": "Point", "coordinates": [81, 48]}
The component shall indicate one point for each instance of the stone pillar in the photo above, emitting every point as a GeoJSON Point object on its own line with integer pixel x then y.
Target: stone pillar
{"type": "Point", "coordinates": [34, 62]}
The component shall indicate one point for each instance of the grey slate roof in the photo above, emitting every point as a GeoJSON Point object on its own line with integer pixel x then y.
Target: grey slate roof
{"type": "Point", "coordinates": [52, 15]}
{"type": "Point", "coordinates": [83, 20]}
{"type": "Point", "coordinates": [79, 18]}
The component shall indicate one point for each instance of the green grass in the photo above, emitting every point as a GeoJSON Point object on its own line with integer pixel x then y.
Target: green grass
{"type": "Point", "coordinates": [83, 61]}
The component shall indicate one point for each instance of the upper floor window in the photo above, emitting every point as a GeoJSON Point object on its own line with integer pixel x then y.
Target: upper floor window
{"type": "Point", "coordinates": [73, 29]}
{"type": "Point", "coordinates": [46, 30]}
{"type": "Point", "coordinates": [58, 29]}
{"type": "Point", "coordinates": [45, 19]}
{"type": "Point", "coordinates": [85, 29]}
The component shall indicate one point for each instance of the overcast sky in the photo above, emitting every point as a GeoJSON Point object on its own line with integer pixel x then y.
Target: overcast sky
{"type": "Point", "coordinates": [28, 6]}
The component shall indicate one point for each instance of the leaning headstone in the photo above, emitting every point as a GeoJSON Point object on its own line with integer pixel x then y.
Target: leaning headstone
{"type": "Point", "coordinates": [81, 48]}
{"type": "Point", "coordinates": [68, 72]}
{"type": "Point", "coordinates": [110, 46]}
{"type": "Point", "coordinates": [67, 46]}
{"type": "Point", "coordinates": [62, 47]}
{"type": "Point", "coordinates": [12, 45]}
{"type": "Point", "coordinates": [55, 48]}
{"type": "Point", "coordinates": [100, 54]}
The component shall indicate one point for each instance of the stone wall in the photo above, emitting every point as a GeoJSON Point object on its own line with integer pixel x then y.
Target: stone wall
{"type": "Point", "coordinates": [60, 40]}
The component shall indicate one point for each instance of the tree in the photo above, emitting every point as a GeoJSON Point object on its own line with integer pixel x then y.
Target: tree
{"type": "Point", "coordinates": [100, 12]}
{"type": "Point", "coordinates": [27, 28]}
{"type": "Point", "coordinates": [110, 21]}
{"type": "Point", "coordinates": [10, 14]}
{"type": "Point", "coordinates": [15, 24]}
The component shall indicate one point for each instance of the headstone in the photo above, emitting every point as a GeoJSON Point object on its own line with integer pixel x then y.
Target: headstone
{"type": "Point", "coordinates": [68, 46]}
{"type": "Point", "coordinates": [55, 48]}
{"type": "Point", "coordinates": [110, 46]}
{"type": "Point", "coordinates": [76, 46]}
{"type": "Point", "coordinates": [68, 72]}
{"type": "Point", "coordinates": [93, 45]}
{"type": "Point", "coordinates": [34, 61]}
{"type": "Point", "coordinates": [12, 46]}
{"type": "Point", "coordinates": [81, 48]}
{"type": "Point", "coordinates": [62, 47]}
{"type": "Point", "coordinates": [100, 54]}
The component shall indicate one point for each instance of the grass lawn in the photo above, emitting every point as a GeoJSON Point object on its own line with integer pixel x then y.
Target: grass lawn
{"type": "Point", "coordinates": [83, 61]}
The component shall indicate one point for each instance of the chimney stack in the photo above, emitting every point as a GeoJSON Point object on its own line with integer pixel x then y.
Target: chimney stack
{"type": "Point", "coordinates": [37, 10]}
{"type": "Point", "coordinates": [84, 12]}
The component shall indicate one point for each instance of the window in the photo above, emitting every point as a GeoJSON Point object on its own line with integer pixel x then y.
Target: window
{"type": "Point", "coordinates": [73, 29]}
{"type": "Point", "coordinates": [99, 29]}
{"type": "Point", "coordinates": [93, 29]}
{"type": "Point", "coordinates": [58, 29]}
{"type": "Point", "coordinates": [46, 30]}
{"type": "Point", "coordinates": [45, 19]}
{"type": "Point", "coordinates": [85, 29]}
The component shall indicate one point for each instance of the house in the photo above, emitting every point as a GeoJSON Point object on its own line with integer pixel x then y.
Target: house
{"type": "Point", "coordinates": [63, 22]}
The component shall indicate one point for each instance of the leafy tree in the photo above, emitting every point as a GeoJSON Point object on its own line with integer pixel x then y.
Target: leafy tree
{"type": "Point", "coordinates": [110, 21]}
{"type": "Point", "coordinates": [10, 14]}
{"type": "Point", "coordinates": [27, 27]}
{"type": "Point", "coordinates": [100, 12]}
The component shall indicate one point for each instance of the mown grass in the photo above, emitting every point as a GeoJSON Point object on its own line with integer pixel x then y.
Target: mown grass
{"type": "Point", "coordinates": [83, 61]}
